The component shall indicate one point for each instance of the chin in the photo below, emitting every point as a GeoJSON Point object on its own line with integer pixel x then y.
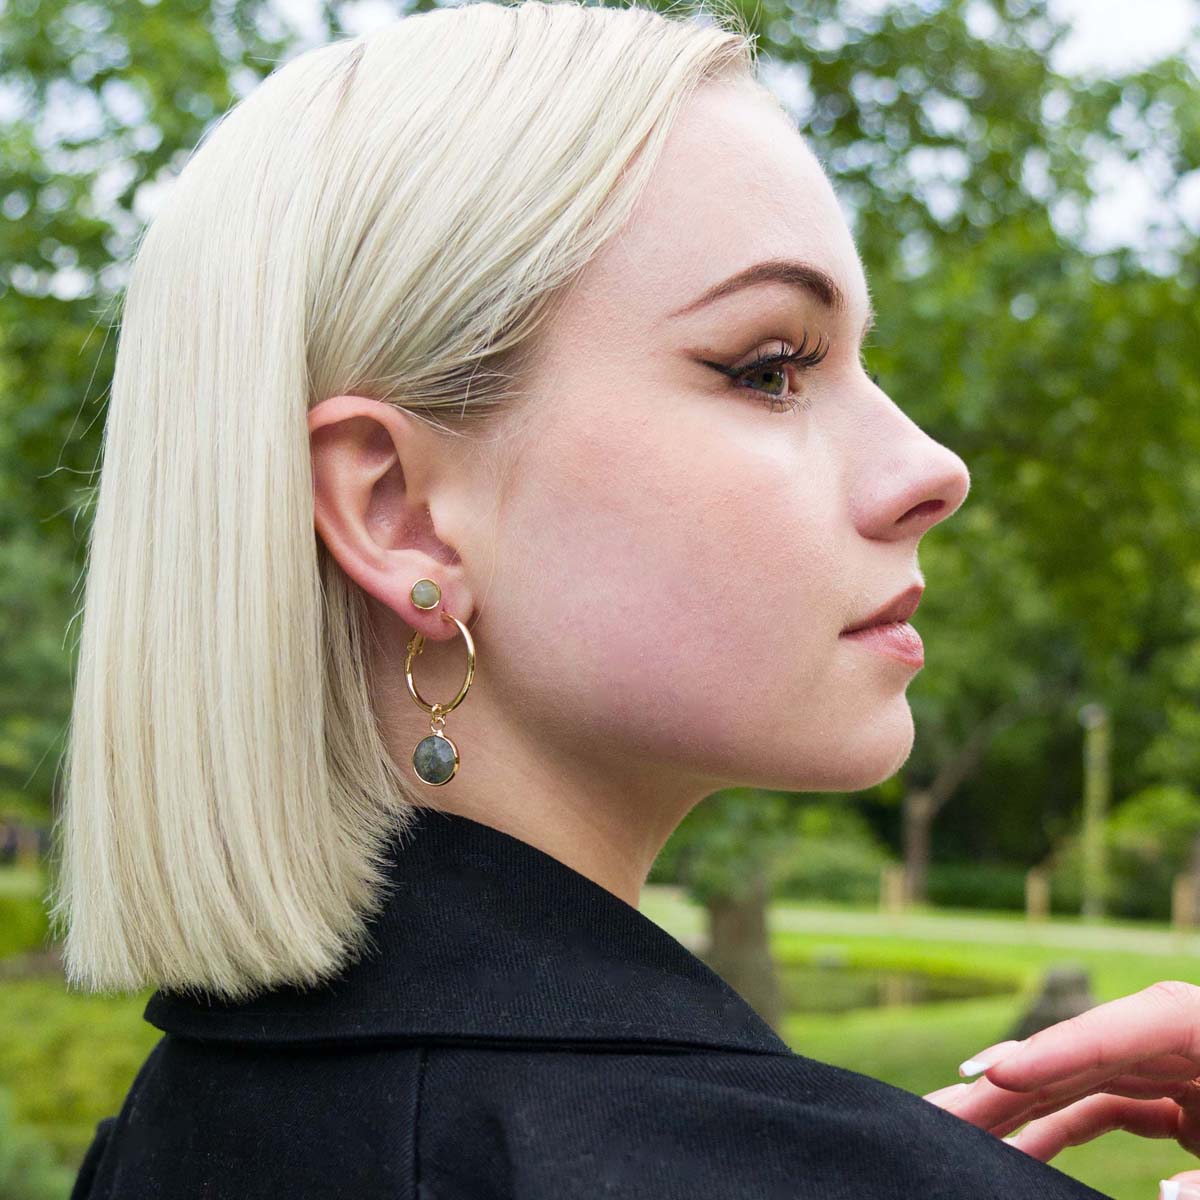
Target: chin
{"type": "Point", "coordinates": [865, 756]}
{"type": "Point", "coordinates": [891, 750]}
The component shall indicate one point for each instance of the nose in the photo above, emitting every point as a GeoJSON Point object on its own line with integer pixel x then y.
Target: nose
{"type": "Point", "coordinates": [918, 483]}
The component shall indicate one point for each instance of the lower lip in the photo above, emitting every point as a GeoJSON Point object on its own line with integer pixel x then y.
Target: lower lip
{"type": "Point", "coordinates": [897, 639]}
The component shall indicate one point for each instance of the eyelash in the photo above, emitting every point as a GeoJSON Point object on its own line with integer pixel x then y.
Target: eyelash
{"type": "Point", "coordinates": [805, 357]}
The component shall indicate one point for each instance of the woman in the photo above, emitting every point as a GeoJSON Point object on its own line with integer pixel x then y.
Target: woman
{"type": "Point", "coordinates": [547, 319]}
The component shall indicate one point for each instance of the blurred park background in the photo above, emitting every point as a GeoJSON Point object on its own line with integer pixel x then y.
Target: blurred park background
{"type": "Point", "coordinates": [1026, 198]}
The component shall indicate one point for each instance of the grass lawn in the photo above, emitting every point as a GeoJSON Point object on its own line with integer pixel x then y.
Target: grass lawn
{"type": "Point", "coordinates": [919, 1047]}
{"type": "Point", "coordinates": [20, 881]}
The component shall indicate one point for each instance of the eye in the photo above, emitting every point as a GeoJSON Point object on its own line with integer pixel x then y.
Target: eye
{"type": "Point", "coordinates": [808, 355]}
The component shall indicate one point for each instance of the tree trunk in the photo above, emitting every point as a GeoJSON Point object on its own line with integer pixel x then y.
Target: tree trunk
{"type": "Point", "coordinates": [922, 804]}
{"type": "Point", "coordinates": [1194, 872]}
{"type": "Point", "coordinates": [27, 846]}
{"type": "Point", "coordinates": [739, 951]}
{"type": "Point", "coordinates": [918, 832]}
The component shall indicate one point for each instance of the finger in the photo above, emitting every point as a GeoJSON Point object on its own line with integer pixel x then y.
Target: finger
{"type": "Point", "coordinates": [1164, 1067]}
{"type": "Point", "coordinates": [1185, 1132]}
{"type": "Point", "coordinates": [1161, 1019]}
{"type": "Point", "coordinates": [996, 1109]}
{"type": "Point", "coordinates": [943, 1095]}
{"type": "Point", "coordinates": [1000, 1111]}
{"type": "Point", "coordinates": [1186, 1114]}
{"type": "Point", "coordinates": [1095, 1115]}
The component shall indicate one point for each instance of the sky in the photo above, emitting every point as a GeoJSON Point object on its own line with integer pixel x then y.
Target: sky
{"type": "Point", "coordinates": [1118, 35]}
{"type": "Point", "coordinates": [1122, 33]}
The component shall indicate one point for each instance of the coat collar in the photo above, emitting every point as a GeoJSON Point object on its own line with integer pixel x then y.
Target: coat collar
{"type": "Point", "coordinates": [483, 936]}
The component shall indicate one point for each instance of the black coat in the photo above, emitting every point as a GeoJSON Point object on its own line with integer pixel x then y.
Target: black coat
{"type": "Point", "coordinates": [521, 1032]}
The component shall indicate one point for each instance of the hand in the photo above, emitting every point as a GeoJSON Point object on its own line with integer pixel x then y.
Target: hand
{"type": "Point", "coordinates": [1132, 1063]}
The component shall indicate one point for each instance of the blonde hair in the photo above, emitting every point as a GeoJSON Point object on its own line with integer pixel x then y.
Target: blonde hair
{"type": "Point", "coordinates": [388, 215]}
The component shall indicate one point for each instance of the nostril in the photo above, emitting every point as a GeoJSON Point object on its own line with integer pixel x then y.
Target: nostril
{"type": "Point", "coordinates": [927, 508]}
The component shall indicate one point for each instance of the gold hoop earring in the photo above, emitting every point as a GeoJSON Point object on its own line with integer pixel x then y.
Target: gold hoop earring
{"type": "Point", "coordinates": [435, 758]}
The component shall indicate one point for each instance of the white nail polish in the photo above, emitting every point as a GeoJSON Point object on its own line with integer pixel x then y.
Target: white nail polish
{"type": "Point", "coordinates": [990, 1057]}
{"type": "Point", "coordinates": [1168, 1189]}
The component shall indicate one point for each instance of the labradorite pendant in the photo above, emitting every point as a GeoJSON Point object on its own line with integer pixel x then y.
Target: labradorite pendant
{"type": "Point", "coordinates": [435, 758]}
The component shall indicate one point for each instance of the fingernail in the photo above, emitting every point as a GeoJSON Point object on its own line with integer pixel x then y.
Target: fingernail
{"type": "Point", "coordinates": [1176, 1189]}
{"type": "Point", "coordinates": [951, 1091]}
{"type": "Point", "coordinates": [989, 1057]}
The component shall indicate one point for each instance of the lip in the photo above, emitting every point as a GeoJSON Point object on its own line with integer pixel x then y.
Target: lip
{"type": "Point", "coordinates": [898, 609]}
{"type": "Point", "coordinates": [894, 639]}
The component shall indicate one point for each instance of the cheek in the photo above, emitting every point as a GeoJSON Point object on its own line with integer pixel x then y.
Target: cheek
{"type": "Point", "coordinates": [675, 575]}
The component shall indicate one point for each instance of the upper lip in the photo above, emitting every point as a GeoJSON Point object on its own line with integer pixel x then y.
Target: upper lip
{"type": "Point", "coordinates": [898, 608]}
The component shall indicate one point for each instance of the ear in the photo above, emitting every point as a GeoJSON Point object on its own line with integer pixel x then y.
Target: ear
{"type": "Point", "coordinates": [376, 470]}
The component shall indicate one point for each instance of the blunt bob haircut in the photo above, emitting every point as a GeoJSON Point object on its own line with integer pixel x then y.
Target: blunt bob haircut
{"type": "Point", "coordinates": [390, 215]}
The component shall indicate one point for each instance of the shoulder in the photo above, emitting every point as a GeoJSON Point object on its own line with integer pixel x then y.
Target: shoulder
{"type": "Point", "coordinates": [693, 1124]}
{"type": "Point", "coordinates": [322, 1119]}
{"type": "Point", "coordinates": [435, 1120]}
{"type": "Point", "coordinates": [86, 1176]}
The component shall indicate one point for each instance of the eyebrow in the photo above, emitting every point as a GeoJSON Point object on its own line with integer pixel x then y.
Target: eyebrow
{"type": "Point", "coordinates": [802, 276]}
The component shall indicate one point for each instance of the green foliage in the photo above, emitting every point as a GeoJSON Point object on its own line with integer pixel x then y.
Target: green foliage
{"type": "Point", "coordinates": [722, 842]}
{"type": "Point", "coordinates": [977, 885]}
{"type": "Point", "coordinates": [1149, 839]}
{"type": "Point", "coordinates": [152, 77]}
{"type": "Point", "coordinates": [29, 1169]}
{"type": "Point", "coordinates": [834, 856]}
{"type": "Point", "coordinates": [806, 846]}
{"type": "Point", "coordinates": [75, 1058]}
{"type": "Point", "coordinates": [35, 583]}
{"type": "Point", "coordinates": [23, 925]}
{"type": "Point", "coordinates": [1157, 824]}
